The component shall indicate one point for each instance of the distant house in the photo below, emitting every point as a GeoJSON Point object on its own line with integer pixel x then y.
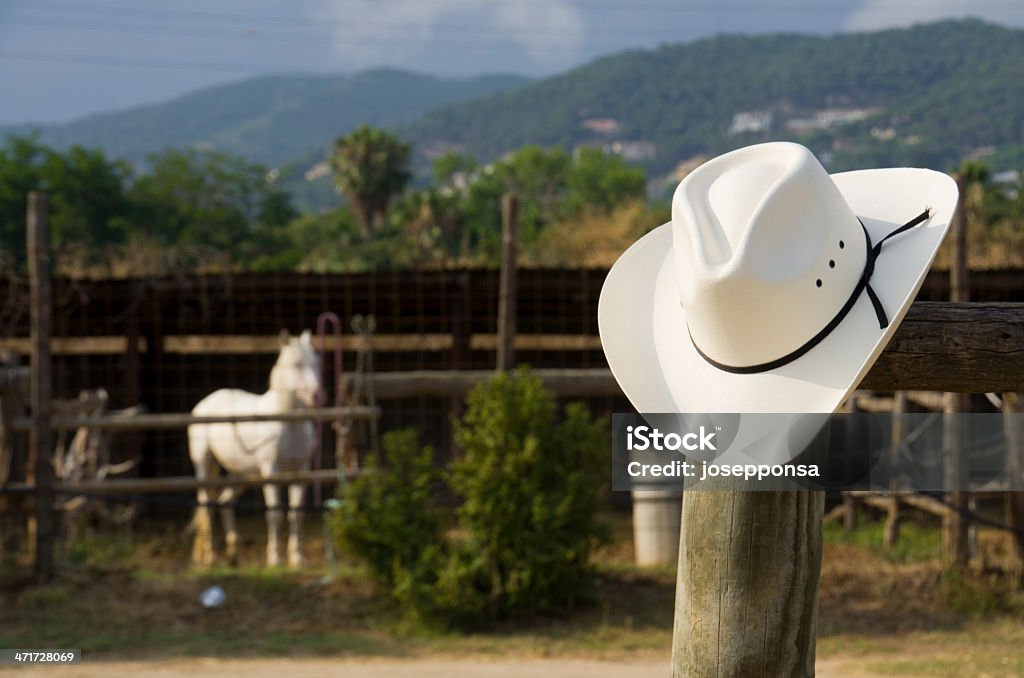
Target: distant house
{"type": "Point", "coordinates": [751, 121]}
{"type": "Point", "coordinates": [602, 125]}
{"type": "Point", "coordinates": [829, 117]}
{"type": "Point", "coordinates": [883, 133]}
{"type": "Point", "coordinates": [437, 147]}
{"type": "Point", "coordinates": [1008, 177]}
{"type": "Point", "coordinates": [321, 169]}
{"type": "Point", "coordinates": [979, 152]}
{"type": "Point", "coordinates": [633, 151]}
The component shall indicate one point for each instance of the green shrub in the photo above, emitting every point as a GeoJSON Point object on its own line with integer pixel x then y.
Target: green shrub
{"type": "Point", "coordinates": [530, 488]}
{"type": "Point", "coordinates": [383, 515]}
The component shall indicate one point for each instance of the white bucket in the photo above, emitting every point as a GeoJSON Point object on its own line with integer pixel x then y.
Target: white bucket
{"type": "Point", "coordinates": [656, 520]}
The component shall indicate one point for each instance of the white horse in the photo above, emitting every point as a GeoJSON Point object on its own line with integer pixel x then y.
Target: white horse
{"type": "Point", "coordinates": [264, 447]}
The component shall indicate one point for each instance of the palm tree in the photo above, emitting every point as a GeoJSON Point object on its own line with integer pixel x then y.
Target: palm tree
{"type": "Point", "coordinates": [370, 167]}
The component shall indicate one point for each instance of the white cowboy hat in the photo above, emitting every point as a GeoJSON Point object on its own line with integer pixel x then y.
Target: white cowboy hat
{"type": "Point", "coordinates": [775, 286]}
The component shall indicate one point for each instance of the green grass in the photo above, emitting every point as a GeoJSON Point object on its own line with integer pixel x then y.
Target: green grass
{"type": "Point", "coordinates": [916, 543]}
{"type": "Point", "coordinates": [98, 549]}
{"type": "Point", "coordinates": [144, 612]}
{"type": "Point", "coordinates": [980, 664]}
{"type": "Point", "coordinates": [146, 607]}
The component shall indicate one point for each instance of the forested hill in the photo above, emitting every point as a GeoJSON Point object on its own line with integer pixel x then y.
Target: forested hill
{"type": "Point", "coordinates": [929, 95]}
{"type": "Point", "coordinates": [271, 120]}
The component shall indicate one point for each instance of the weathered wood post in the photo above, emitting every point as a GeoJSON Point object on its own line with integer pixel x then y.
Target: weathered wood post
{"type": "Point", "coordinates": [955, 524]}
{"type": "Point", "coordinates": [892, 519]}
{"type": "Point", "coordinates": [13, 387]}
{"type": "Point", "coordinates": [746, 595]}
{"type": "Point", "coordinates": [42, 527]}
{"type": "Point", "coordinates": [750, 561]}
{"type": "Point", "coordinates": [849, 501]}
{"type": "Point", "coordinates": [133, 366]}
{"type": "Point", "coordinates": [1014, 499]}
{"type": "Point", "coordinates": [508, 283]}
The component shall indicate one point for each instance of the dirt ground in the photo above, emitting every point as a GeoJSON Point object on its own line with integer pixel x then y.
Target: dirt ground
{"type": "Point", "coordinates": [134, 611]}
{"type": "Point", "coordinates": [384, 668]}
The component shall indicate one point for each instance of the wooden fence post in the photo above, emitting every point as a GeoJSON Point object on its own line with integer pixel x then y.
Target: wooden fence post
{"type": "Point", "coordinates": [892, 520]}
{"type": "Point", "coordinates": [12, 405]}
{"type": "Point", "coordinates": [747, 590]}
{"type": "Point", "coordinates": [849, 501]}
{"type": "Point", "coordinates": [43, 526]}
{"type": "Point", "coordinates": [955, 526]}
{"type": "Point", "coordinates": [1014, 499]}
{"type": "Point", "coordinates": [508, 289]}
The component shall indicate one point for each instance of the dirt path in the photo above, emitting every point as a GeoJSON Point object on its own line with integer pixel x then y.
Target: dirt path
{"type": "Point", "coordinates": [502, 667]}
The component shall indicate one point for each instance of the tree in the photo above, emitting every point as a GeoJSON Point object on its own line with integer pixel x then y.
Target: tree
{"type": "Point", "coordinates": [370, 167]}
{"type": "Point", "coordinates": [600, 181]}
{"type": "Point", "coordinates": [211, 200]}
{"type": "Point", "coordinates": [86, 190]}
{"type": "Point", "coordinates": [553, 186]}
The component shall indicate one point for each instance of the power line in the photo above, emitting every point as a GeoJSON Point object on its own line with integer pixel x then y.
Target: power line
{"type": "Point", "coordinates": [311, 31]}
{"type": "Point", "coordinates": [591, 5]}
{"type": "Point", "coordinates": [205, 16]}
{"type": "Point", "coordinates": [386, 35]}
{"type": "Point", "coordinates": [137, 61]}
{"type": "Point", "coordinates": [260, 69]}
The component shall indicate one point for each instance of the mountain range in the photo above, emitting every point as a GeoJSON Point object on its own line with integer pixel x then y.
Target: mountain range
{"type": "Point", "coordinates": [271, 120]}
{"type": "Point", "coordinates": [930, 95]}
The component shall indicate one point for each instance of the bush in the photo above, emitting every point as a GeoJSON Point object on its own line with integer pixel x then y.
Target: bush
{"type": "Point", "coordinates": [530, 487]}
{"type": "Point", "coordinates": [383, 516]}
{"type": "Point", "coordinates": [531, 490]}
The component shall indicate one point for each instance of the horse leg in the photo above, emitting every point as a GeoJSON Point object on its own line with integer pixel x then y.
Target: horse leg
{"type": "Point", "coordinates": [296, 492]}
{"type": "Point", "coordinates": [202, 545]}
{"type": "Point", "coordinates": [226, 500]}
{"type": "Point", "coordinates": [272, 498]}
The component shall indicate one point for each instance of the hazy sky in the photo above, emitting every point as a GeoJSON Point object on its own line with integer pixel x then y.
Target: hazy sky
{"type": "Point", "coordinates": [60, 59]}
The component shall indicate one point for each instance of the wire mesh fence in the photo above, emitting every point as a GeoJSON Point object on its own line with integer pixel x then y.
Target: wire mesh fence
{"type": "Point", "coordinates": [167, 342]}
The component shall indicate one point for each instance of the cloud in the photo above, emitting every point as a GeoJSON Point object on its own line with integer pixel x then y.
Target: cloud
{"type": "Point", "coordinates": [877, 14]}
{"type": "Point", "coordinates": [404, 32]}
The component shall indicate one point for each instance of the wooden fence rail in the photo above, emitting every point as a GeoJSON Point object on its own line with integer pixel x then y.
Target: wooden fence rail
{"type": "Point", "coordinates": [172, 485]}
{"type": "Point", "coordinates": [940, 346]}
{"type": "Point", "coordinates": [140, 422]}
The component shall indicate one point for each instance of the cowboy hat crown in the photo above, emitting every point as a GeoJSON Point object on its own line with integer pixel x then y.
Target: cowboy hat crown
{"type": "Point", "coordinates": [763, 239]}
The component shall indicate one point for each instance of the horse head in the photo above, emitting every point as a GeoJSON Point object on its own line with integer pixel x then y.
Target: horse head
{"type": "Point", "coordinates": [297, 369]}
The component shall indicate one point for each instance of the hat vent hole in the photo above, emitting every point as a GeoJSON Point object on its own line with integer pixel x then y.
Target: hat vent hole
{"type": "Point", "coordinates": [842, 244]}
{"type": "Point", "coordinates": [831, 263]}
{"type": "Point", "coordinates": [818, 282]}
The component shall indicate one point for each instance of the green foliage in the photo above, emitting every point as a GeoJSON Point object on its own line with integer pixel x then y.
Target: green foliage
{"type": "Point", "coordinates": [384, 515]}
{"type": "Point", "coordinates": [182, 201]}
{"type": "Point", "coordinates": [943, 87]}
{"type": "Point", "coordinates": [86, 192]}
{"type": "Point", "coordinates": [459, 220]}
{"type": "Point", "coordinates": [370, 167]}
{"type": "Point", "coordinates": [209, 199]}
{"type": "Point", "coordinates": [600, 181]}
{"type": "Point", "coordinates": [917, 543]}
{"type": "Point", "coordinates": [530, 488]}
{"type": "Point", "coordinates": [324, 242]}
{"type": "Point", "coordinates": [971, 593]}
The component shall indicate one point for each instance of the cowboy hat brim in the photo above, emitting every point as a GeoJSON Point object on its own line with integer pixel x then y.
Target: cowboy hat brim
{"type": "Point", "coordinates": [644, 332]}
